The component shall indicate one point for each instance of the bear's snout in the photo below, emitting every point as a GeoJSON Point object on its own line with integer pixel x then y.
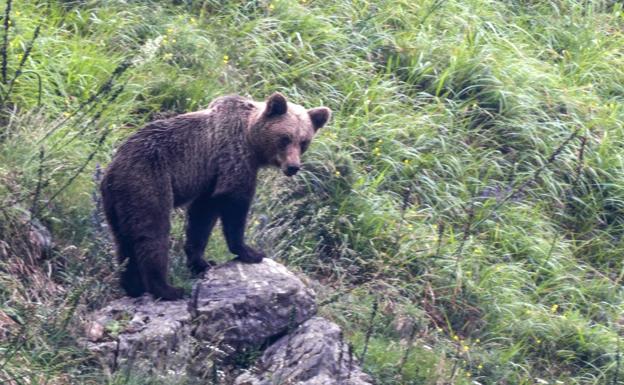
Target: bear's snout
{"type": "Point", "coordinates": [291, 169]}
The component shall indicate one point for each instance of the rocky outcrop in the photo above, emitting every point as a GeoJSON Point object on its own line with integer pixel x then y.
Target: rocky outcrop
{"type": "Point", "coordinates": [243, 304]}
{"type": "Point", "coordinates": [313, 354]}
{"type": "Point", "coordinates": [141, 333]}
{"type": "Point", "coordinates": [252, 310]}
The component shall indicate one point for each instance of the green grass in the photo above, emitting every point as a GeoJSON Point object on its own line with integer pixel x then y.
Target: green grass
{"type": "Point", "coordinates": [470, 183]}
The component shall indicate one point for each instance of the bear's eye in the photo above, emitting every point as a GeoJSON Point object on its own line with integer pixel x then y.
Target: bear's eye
{"type": "Point", "coordinates": [304, 145]}
{"type": "Point", "coordinates": [284, 141]}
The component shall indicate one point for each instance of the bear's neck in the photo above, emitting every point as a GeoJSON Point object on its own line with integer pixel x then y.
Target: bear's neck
{"type": "Point", "coordinates": [258, 157]}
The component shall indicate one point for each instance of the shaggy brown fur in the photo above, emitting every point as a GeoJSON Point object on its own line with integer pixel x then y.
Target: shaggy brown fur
{"type": "Point", "coordinates": [207, 160]}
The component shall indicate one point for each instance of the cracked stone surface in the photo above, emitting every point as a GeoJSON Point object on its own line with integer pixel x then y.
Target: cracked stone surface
{"type": "Point", "coordinates": [312, 354]}
{"type": "Point", "coordinates": [148, 335]}
{"type": "Point", "coordinates": [240, 305]}
{"type": "Point", "coordinates": [235, 310]}
{"type": "Point", "coordinates": [234, 307]}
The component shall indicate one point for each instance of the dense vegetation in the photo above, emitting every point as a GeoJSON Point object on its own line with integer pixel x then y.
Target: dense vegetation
{"type": "Point", "coordinates": [464, 211]}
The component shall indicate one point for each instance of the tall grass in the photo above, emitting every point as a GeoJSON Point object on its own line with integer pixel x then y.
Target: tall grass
{"type": "Point", "coordinates": [463, 211]}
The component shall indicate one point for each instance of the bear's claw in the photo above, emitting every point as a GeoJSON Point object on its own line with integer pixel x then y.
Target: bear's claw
{"type": "Point", "coordinates": [170, 293]}
{"type": "Point", "coordinates": [201, 265]}
{"type": "Point", "coordinates": [250, 255]}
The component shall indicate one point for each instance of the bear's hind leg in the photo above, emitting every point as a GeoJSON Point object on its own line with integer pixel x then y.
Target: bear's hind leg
{"type": "Point", "coordinates": [151, 248]}
{"type": "Point", "coordinates": [201, 218]}
{"type": "Point", "coordinates": [131, 280]}
{"type": "Point", "coordinates": [153, 266]}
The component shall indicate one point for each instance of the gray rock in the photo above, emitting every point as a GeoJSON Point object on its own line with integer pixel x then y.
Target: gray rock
{"type": "Point", "coordinates": [8, 326]}
{"type": "Point", "coordinates": [25, 238]}
{"type": "Point", "coordinates": [242, 305]}
{"type": "Point", "coordinates": [234, 309]}
{"type": "Point", "coordinates": [313, 354]}
{"type": "Point", "coordinates": [142, 334]}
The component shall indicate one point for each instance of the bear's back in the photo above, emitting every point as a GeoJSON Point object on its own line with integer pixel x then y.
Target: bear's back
{"type": "Point", "coordinates": [188, 152]}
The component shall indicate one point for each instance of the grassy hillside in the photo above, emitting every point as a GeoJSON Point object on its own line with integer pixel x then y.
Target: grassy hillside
{"type": "Point", "coordinates": [464, 210]}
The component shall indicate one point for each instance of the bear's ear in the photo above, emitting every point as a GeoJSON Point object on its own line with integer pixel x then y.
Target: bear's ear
{"type": "Point", "coordinates": [319, 116]}
{"type": "Point", "coordinates": [276, 104]}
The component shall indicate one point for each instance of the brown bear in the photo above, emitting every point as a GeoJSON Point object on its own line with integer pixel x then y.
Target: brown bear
{"type": "Point", "coordinates": [208, 161]}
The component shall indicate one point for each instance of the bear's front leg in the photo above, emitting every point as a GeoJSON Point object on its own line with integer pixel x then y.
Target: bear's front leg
{"type": "Point", "coordinates": [234, 216]}
{"type": "Point", "coordinates": [201, 218]}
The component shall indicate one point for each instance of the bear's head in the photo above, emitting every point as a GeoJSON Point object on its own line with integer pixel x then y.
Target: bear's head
{"type": "Point", "coordinates": [282, 132]}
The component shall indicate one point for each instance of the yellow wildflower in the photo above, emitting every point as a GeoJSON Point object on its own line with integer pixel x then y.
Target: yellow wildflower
{"type": "Point", "coordinates": [337, 173]}
{"type": "Point", "coordinates": [553, 308]}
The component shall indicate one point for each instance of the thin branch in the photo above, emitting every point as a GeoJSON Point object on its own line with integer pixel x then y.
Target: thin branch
{"type": "Point", "coordinates": [82, 167]}
{"type": "Point", "coordinates": [526, 183]}
{"type": "Point", "coordinates": [581, 159]}
{"type": "Point", "coordinates": [369, 330]}
{"type": "Point", "coordinates": [5, 42]}
{"type": "Point", "coordinates": [34, 208]}
{"type": "Point", "coordinates": [22, 63]}
{"type": "Point", "coordinates": [88, 123]}
{"type": "Point", "coordinates": [103, 90]}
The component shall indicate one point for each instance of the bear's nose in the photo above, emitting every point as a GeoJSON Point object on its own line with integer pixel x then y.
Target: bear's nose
{"type": "Point", "coordinates": [291, 170]}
